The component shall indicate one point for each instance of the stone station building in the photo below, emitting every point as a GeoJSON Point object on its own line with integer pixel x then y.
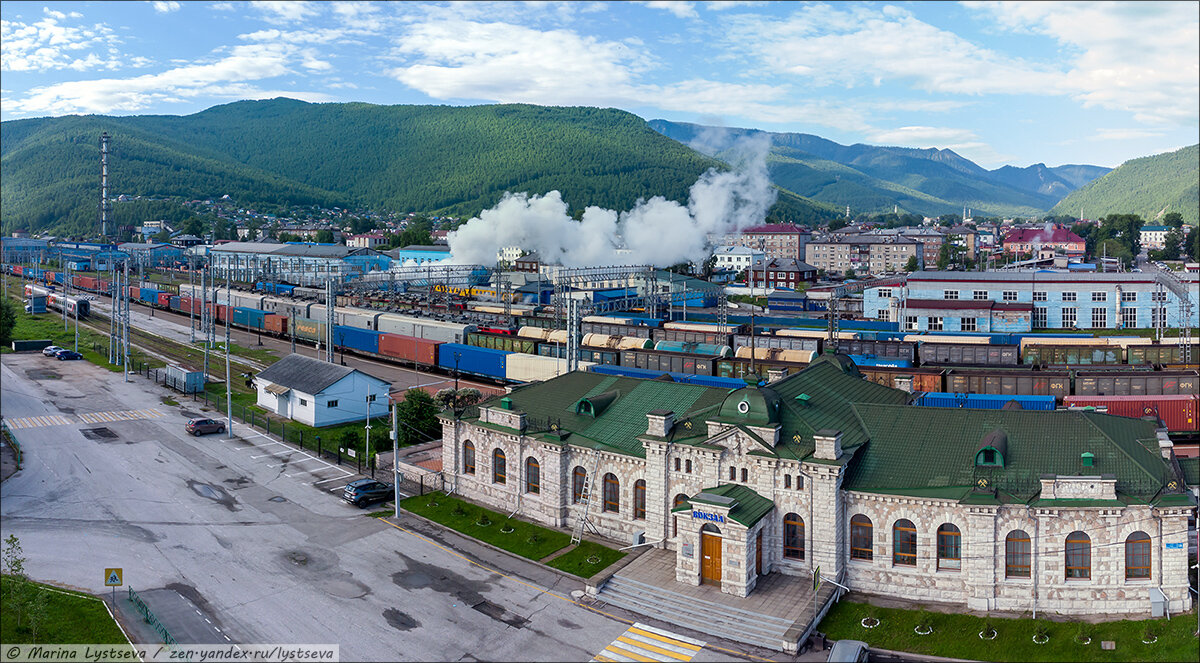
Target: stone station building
{"type": "Point", "coordinates": [1068, 511]}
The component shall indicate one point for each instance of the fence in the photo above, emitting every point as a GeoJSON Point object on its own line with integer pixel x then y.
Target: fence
{"type": "Point", "coordinates": [12, 440]}
{"type": "Point", "coordinates": [151, 619]}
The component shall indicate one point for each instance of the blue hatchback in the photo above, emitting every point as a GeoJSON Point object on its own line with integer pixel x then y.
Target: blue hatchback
{"type": "Point", "coordinates": [67, 355]}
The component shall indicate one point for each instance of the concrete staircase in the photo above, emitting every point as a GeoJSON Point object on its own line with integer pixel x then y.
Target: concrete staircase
{"type": "Point", "coordinates": [702, 616]}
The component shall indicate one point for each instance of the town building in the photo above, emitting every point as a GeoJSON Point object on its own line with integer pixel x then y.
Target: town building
{"type": "Point", "coordinates": [152, 254]}
{"type": "Point", "coordinates": [366, 241]}
{"type": "Point", "coordinates": [508, 255]}
{"type": "Point", "coordinates": [530, 262]}
{"type": "Point", "coordinates": [319, 393]}
{"type": "Point", "coordinates": [736, 258]}
{"type": "Point", "coordinates": [780, 273]}
{"type": "Point", "coordinates": [777, 240]}
{"type": "Point", "coordinates": [1070, 512]}
{"type": "Point", "coordinates": [419, 254]}
{"type": "Point", "coordinates": [864, 254]}
{"type": "Point", "coordinates": [1154, 237]}
{"type": "Point", "coordinates": [1003, 300]}
{"type": "Point", "coordinates": [1043, 242]}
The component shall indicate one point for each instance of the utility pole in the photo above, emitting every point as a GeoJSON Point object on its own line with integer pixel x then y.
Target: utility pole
{"type": "Point", "coordinates": [369, 398]}
{"type": "Point", "coordinates": [204, 315]}
{"type": "Point", "coordinates": [228, 375]}
{"type": "Point", "coordinates": [192, 300]}
{"type": "Point", "coordinates": [395, 459]}
{"type": "Point", "coordinates": [125, 318]}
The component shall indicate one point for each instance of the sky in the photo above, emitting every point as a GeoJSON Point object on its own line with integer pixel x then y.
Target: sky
{"type": "Point", "coordinates": [1000, 83]}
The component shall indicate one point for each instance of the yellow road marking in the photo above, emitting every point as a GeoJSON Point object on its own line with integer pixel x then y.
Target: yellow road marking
{"type": "Point", "coordinates": [658, 650]}
{"type": "Point", "coordinates": [673, 641]}
{"type": "Point", "coordinates": [621, 652]}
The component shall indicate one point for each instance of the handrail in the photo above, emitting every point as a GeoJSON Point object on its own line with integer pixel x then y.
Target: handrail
{"type": "Point", "coordinates": [639, 545]}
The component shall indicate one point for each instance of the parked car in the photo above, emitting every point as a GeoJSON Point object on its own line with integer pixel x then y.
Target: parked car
{"type": "Point", "coordinates": [205, 426]}
{"type": "Point", "coordinates": [67, 355]}
{"type": "Point", "coordinates": [848, 651]}
{"type": "Point", "coordinates": [364, 491]}
{"type": "Point", "coordinates": [51, 350]}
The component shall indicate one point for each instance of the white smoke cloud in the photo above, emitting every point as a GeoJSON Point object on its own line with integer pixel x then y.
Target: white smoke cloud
{"type": "Point", "coordinates": [657, 231]}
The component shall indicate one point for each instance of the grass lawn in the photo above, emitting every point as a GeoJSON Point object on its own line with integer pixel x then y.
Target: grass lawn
{"type": "Point", "coordinates": [578, 561]}
{"type": "Point", "coordinates": [526, 539]}
{"type": "Point", "coordinates": [263, 356]}
{"type": "Point", "coordinates": [956, 636]}
{"type": "Point", "coordinates": [49, 326]}
{"type": "Point", "coordinates": [71, 618]}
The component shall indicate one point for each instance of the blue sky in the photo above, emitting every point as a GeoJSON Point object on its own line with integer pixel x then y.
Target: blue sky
{"type": "Point", "coordinates": [1000, 83]}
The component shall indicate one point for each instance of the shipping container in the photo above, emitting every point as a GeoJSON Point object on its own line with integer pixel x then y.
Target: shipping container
{"type": "Point", "coordinates": [472, 360]}
{"type": "Point", "coordinates": [535, 368]}
{"type": "Point", "coordinates": [353, 338]}
{"type": "Point", "coordinates": [1008, 383]}
{"type": "Point", "coordinates": [430, 330]}
{"type": "Point", "coordinates": [275, 324]}
{"type": "Point", "coordinates": [1166, 353]}
{"type": "Point", "coordinates": [1179, 413]}
{"type": "Point", "coordinates": [669, 362]}
{"type": "Point", "coordinates": [969, 354]}
{"type": "Point", "coordinates": [148, 295]}
{"type": "Point", "coordinates": [503, 342]}
{"type": "Point", "coordinates": [30, 346]}
{"type": "Point", "coordinates": [173, 303]}
{"type": "Point", "coordinates": [984, 401]}
{"type": "Point", "coordinates": [781, 342]}
{"type": "Point", "coordinates": [872, 360]}
{"type": "Point", "coordinates": [164, 299]}
{"type": "Point", "coordinates": [181, 379]}
{"type": "Point", "coordinates": [250, 318]}
{"type": "Point", "coordinates": [882, 349]}
{"type": "Point", "coordinates": [409, 348]}
{"type": "Point", "coordinates": [1135, 383]}
{"type": "Point", "coordinates": [308, 329]}
{"type": "Point", "coordinates": [691, 336]}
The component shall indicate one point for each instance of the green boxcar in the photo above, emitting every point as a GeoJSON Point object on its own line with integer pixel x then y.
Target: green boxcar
{"type": "Point", "coordinates": [311, 330]}
{"type": "Point", "coordinates": [503, 342]}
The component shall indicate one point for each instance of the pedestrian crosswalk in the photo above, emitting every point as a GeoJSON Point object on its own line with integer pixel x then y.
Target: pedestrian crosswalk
{"type": "Point", "coordinates": [119, 415]}
{"type": "Point", "coordinates": [86, 418]}
{"type": "Point", "coordinates": [646, 643]}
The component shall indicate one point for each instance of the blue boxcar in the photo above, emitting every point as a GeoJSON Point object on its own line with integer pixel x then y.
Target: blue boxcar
{"type": "Point", "coordinates": [875, 360]}
{"type": "Point", "coordinates": [473, 360]}
{"type": "Point", "coordinates": [984, 401]}
{"type": "Point", "coordinates": [148, 295]}
{"type": "Point", "coordinates": [284, 289]}
{"type": "Point", "coordinates": [702, 380]}
{"type": "Point", "coordinates": [353, 338]}
{"type": "Point", "coordinates": [248, 317]}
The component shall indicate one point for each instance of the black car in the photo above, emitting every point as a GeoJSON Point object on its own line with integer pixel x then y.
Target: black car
{"type": "Point", "coordinates": [67, 355]}
{"type": "Point", "coordinates": [364, 491]}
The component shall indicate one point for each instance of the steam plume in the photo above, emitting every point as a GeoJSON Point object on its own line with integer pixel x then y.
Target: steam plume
{"type": "Point", "coordinates": [657, 231]}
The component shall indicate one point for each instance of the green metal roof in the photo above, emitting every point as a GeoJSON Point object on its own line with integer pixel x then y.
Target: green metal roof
{"type": "Point", "coordinates": [626, 401]}
{"type": "Point", "coordinates": [748, 506]}
{"type": "Point", "coordinates": [1191, 470]}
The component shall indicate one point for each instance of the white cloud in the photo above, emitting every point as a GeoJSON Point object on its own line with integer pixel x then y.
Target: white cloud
{"type": "Point", "coordinates": [287, 11]}
{"type": "Point", "coordinates": [677, 7]}
{"type": "Point", "coordinates": [48, 44]}
{"type": "Point", "coordinates": [1138, 57]}
{"type": "Point", "coordinates": [1126, 134]}
{"type": "Point", "coordinates": [868, 46]}
{"type": "Point", "coordinates": [225, 78]}
{"type": "Point", "coordinates": [722, 5]}
{"type": "Point", "coordinates": [165, 6]}
{"type": "Point", "coordinates": [918, 136]}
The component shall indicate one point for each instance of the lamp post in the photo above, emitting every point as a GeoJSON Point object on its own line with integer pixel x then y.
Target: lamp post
{"type": "Point", "coordinates": [370, 399]}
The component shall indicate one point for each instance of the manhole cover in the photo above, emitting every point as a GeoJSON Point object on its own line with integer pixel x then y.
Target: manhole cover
{"type": "Point", "coordinates": [98, 433]}
{"type": "Point", "coordinates": [298, 558]}
{"type": "Point", "coordinates": [278, 498]}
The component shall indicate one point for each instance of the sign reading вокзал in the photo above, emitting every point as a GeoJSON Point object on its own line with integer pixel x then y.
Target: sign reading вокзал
{"type": "Point", "coordinates": [174, 653]}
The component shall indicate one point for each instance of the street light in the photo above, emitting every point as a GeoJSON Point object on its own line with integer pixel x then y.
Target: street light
{"type": "Point", "coordinates": [370, 399]}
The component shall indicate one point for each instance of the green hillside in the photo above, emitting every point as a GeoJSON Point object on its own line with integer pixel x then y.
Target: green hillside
{"type": "Point", "coordinates": [872, 179]}
{"type": "Point", "coordinates": [439, 159]}
{"type": "Point", "coordinates": [1148, 187]}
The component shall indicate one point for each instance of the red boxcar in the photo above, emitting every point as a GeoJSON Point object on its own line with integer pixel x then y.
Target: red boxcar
{"type": "Point", "coordinates": [275, 323]}
{"type": "Point", "coordinates": [86, 282]}
{"type": "Point", "coordinates": [164, 299]}
{"type": "Point", "coordinates": [408, 348]}
{"type": "Point", "coordinates": [18, 270]}
{"type": "Point", "coordinates": [1178, 413]}
{"type": "Point", "coordinates": [103, 285]}
{"type": "Point", "coordinates": [189, 305]}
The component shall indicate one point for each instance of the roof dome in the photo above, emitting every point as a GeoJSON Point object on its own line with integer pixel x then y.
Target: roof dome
{"type": "Point", "coordinates": [754, 406]}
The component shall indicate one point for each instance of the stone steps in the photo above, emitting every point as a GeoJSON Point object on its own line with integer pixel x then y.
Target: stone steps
{"type": "Point", "coordinates": [702, 616]}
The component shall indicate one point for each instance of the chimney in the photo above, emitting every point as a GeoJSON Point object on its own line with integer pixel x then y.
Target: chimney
{"type": "Point", "coordinates": [660, 422]}
{"type": "Point", "coordinates": [776, 374]}
{"type": "Point", "coordinates": [1165, 446]}
{"type": "Point", "coordinates": [829, 444]}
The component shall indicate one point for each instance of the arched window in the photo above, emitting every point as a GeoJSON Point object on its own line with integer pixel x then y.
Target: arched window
{"type": "Point", "coordinates": [468, 457]}
{"type": "Point", "coordinates": [793, 536]}
{"type": "Point", "coordinates": [861, 538]}
{"type": "Point", "coordinates": [679, 499]}
{"type": "Point", "coordinates": [732, 473]}
{"type": "Point", "coordinates": [688, 466]}
{"type": "Point", "coordinates": [678, 464]}
{"type": "Point", "coordinates": [949, 547]}
{"type": "Point", "coordinates": [612, 493]}
{"type": "Point", "coordinates": [1079, 556]}
{"type": "Point", "coordinates": [744, 475]}
{"type": "Point", "coordinates": [1016, 554]}
{"type": "Point", "coordinates": [499, 469]}
{"type": "Point", "coordinates": [639, 499]}
{"type": "Point", "coordinates": [904, 543]}
{"type": "Point", "coordinates": [533, 475]}
{"type": "Point", "coordinates": [578, 479]}
{"type": "Point", "coordinates": [1137, 556]}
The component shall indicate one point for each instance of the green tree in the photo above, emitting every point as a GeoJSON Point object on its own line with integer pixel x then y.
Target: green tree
{"type": "Point", "coordinates": [1125, 228]}
{"type": "Point", "coordinates": [912, 265]}
{"type": "Point", "coordinates": [1173, 219]}
{"type": "Point", "coordinates": [950, 219]}
{"type": "Point", "coordinates": [417, 415]}
{"type": "Point", "coordinates": [1171, 246]}
{"type": "Point", "coordinates": [325, 237]}
{"type": "Point", "coordinates": [1114, 248]}
{"type": "Point", "coordinates": [1191, 245]}
{"type": "Point", "coordinates": [850, 274]}
{"type": "Point", "coordinates": [838, 224]}
{"type": "Point", "coordinates": [8, 321]}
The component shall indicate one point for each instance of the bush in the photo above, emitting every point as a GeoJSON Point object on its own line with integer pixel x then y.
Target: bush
{"type": "Point", "coordinates": [925, 620]}
{"type": "Point", "coordinates": [1083, 633]}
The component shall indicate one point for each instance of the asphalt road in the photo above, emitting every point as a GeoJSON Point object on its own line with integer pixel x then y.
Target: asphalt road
{"type": "Point", "coordinates": [240, 533]}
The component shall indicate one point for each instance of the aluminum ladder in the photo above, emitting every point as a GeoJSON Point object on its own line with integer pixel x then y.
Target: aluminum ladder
{"type": "Point", "coordinates": [585, 498]}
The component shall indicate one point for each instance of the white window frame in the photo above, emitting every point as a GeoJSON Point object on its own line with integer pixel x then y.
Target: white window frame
{"type": "Point", "coordinates": [1070, 317]}
{"type": "Point", "coordinates": [979, 295]}
{"type": "Point", "coordinates": [1039, 295]}
{"type": "Point", "coordinates": [911, 323]}
{"type": "Point", "coordinates": [1010, 295]}
{"type": "Point", "coordinates": [1069, 296]}
{"type": "Point", "coordinates": [935, 323]}
{"type": "Point", "coordinates": [1099, 317]}
{"type": "Point", "coordinates": [970, 324]}
{"type": "Point", "coordinates": [1128, 296]}
{"type": "Point", "coordinates": [1099, 296]}
{"type": "Point", "coordinates": [949, 294]}
{"type": "Point", "coordinates": [1129, 317]}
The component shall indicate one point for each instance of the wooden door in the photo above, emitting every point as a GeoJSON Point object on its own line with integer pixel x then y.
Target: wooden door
{"type": "Point", "coordinates": [710, 558]}
{"type": "Point", "coordinates": [758, 554]}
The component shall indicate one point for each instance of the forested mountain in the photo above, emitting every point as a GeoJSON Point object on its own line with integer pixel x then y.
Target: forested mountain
{"type": "Point", "coordinates": [871, 178]}
{"type": "Point", "coordinates": [1149, 187]}
{"type": "Point", "coordinates": [438, 159]}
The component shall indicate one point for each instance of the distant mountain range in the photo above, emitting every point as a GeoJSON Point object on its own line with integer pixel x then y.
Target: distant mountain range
{"type": "Point", "coordinates": [871, 178]}
{"type": "Point", "coordinates": [439, 159]}
{"type": "Point", "coordinates": [1149, 187]}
